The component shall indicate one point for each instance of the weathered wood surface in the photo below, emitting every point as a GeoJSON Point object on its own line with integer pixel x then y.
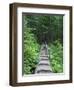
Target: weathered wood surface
{"type": "Point", "coordinates": [44, 65]}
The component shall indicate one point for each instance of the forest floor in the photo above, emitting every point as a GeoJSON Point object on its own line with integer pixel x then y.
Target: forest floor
{"type": "Point", "coordinates": [44, 65]}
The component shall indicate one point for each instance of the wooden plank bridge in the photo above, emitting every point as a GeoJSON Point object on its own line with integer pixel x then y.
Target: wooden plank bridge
{"type": "Point", "coordinates": [44, 65]}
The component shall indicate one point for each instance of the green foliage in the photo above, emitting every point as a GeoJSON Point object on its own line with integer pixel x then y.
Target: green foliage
{"type": "Point", "coordinates": [31, 52]}
{"type": "Point", "coordinates": [37, 30]}
{"type": "Point", "coordinates": [56, 56]}
{"type": "Point", "coordinates": [46, 27]}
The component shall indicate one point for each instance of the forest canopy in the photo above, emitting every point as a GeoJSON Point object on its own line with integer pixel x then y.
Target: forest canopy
{"type": "Point", "coordinates": [46, 27]}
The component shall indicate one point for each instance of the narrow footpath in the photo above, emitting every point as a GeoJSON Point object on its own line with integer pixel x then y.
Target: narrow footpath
{"type": "Point", "coordinates": [44, 65]}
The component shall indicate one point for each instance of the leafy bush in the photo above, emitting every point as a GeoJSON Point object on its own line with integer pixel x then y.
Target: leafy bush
{"type": "Point", "coordinates": [31, 52]}
{"type": "Point", "coordinates": [56, 56]}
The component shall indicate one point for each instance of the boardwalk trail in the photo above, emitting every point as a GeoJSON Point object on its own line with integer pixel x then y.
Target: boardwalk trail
{"type": "Point", "coordinates": [44, 63]}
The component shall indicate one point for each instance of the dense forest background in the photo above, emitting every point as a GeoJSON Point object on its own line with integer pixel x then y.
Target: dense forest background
{"type": "Point", "coordinates": [37, 30]}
